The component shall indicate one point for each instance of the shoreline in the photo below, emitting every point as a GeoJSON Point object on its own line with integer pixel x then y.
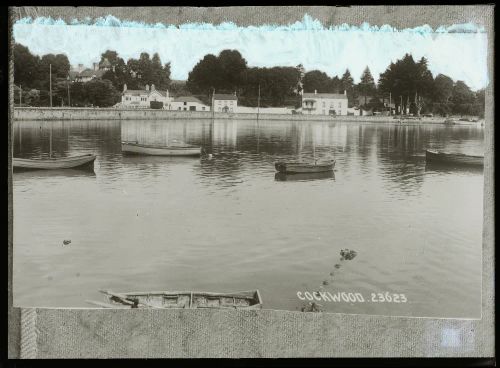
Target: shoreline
{"type": "Point", "coordinates": [85, 113]}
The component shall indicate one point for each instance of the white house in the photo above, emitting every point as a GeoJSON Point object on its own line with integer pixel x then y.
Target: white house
{"type": "Point", "coordinates": [145, 99]}
{"type": "Point", "coordinates": [324, 103]}
{"type": "Point", "coordinates": [187, 103]}
{"type": "Point", "coordinates": [225, 102]}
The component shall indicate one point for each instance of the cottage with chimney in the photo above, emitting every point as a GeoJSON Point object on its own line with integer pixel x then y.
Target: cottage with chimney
{"type": "Point", "coordinates": [225, 102]}
{"type": "Point", "coordinates": [324, 103]}
{"type": "Point", "coordinates": [148, 98]}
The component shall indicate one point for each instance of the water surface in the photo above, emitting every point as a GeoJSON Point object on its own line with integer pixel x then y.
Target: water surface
{"type": "Point", "coordinates": [228, 223]}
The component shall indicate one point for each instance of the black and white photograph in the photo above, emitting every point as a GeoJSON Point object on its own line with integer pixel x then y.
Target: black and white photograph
{"type": "Point", "coordinates": [305, 167]}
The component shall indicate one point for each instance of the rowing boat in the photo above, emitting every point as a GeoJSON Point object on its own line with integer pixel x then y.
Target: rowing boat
{"type": "Point", "coordinates": [72, 162]}
{"type": "Point", "coordinates": [298, 167]}
{"type": "Point", "coordinates": [184, 299]}
{"type": "Point", "coordinates": [171, 150]}
{"type": "Point", "coordinates": [453, 158]}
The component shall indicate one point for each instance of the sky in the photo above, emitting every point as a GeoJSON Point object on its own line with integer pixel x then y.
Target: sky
{"type": "Point", "coordinates": [459, 51]}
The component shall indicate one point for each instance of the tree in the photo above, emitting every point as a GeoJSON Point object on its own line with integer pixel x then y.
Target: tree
{"type": "Point", "coordinates": [26, 66]}
{"type": "Point", "coordinates": [443, 88]}
{"type": "Point", "coordinates": [233, 65]}
{"type": "Point", "coordinates": [205, 76]}
{"type": "Point", "coordinates": [101, 93]}
{"type": "Point", "coordinates": [226, 72]}
{"type": "Point", "coordinates": [118, 72]}
{"type": "Point", "coordinates": [367, 85]}
{"type": "Point", "coordinates": [316, 80]}
{"type": "Point", "coordinates": [58, 63]}
{"type": "Point", "coordinates": [407, 81]}
{"type": "Point", "coordinates": [347, 84]}
{"type": "Point", "coordinates": [462, 94]}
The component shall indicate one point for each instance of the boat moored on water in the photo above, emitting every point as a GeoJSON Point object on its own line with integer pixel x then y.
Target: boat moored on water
{"type": "Point", "coordinates": [296, 167]}
{"type": "Point", "coordinates": [182, 299]}
{"type": "Point", "coordinates": [71, 162]}
{"type": "Point", "coordinates": [154, 150]}
{"type": "Point", "coordinates": [439, 157]}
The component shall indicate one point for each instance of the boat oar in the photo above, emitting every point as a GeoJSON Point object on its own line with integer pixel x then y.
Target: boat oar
{"type": "Point", "coordinates": [125, 299]}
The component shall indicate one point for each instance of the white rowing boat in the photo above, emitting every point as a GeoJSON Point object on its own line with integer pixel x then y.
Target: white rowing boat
{"type": "Point", "coordinates": [71, 162]}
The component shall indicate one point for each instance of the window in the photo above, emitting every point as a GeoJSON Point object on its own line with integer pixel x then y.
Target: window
{"type": "Point", "coordinates": [185, 109]}
{"type": "Point", "coordinates": [185, 103]}
{"type": "Point", "coordinates": [203, 108]}
{"type": "Point", "coordinates": [180, 108]}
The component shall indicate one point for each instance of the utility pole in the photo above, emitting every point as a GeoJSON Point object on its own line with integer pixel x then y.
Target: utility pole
{"type": "Point", "coordinates": [20, 95]}
{"type": "Point", "coordinates": [258, 105]}
{"type": "Point", "coordinates": [390, 109]}
{"type": "Point", "coordinates": [50, 84]}
{"type": "Point", "coordinates": [213, 103]}
{"type": "Point", "coordinates": [69, 99]}
{"type": "Point", "coordinates": [401, 105]}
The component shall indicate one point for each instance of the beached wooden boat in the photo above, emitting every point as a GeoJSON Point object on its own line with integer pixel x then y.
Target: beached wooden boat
{"type": "Point", "coordinates": [171, 150]}
{"type": "Point", "coordinates": [453, 158]}
{"type": "Point", "coordinates": [296, 167]}
{"type": "Point", "coordinates": [183, 299]}
{"type": "Point", "coordinates": [72, 162]}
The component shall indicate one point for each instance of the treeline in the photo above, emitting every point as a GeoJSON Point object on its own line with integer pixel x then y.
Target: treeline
{"type": "Point", "coordinates": [406, 83]}
{"type": "Point", "coordinates": [31, 73]}
{"type": "Point", "coordinates": [413, 88]}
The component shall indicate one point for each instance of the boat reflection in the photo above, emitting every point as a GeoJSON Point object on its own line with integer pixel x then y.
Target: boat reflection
{"type": "Point", "coordinates": [20, 174]}
{"type": "Point", "coordinates": [304, 176]}
{"type": "Point", "coordinates": [452, 167]}
{"type": "Point", "coordinates": [163, 160]}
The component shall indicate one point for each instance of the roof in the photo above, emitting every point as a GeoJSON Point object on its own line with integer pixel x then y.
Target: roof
{"type": "Point", "coordinates": [218, 96]}
{"type": "Point", "coordinates": [177, 81]}
{"type": "Point", "coordinates": [337, 96]}
{"type": "Point", "coordinates": [135, 92]}
{"type": "Point", "coordinates": [105, 63]}
{"type": "Point", "coordinates": [163, 93]}
{"type": "Point", "coordinates": [187, 99]}
{"type": "Point", "coordinates": [142, 92]}
{"type": "Point", "coordinates": [91, 73]}
{"type": "Point", "coordinates": [87, 73]}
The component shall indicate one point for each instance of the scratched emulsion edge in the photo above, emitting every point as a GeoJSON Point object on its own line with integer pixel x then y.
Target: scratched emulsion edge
{"type": "Point", "coordinates": [87, 333]}
{"type": "Point", "coordinates": [14, 314]}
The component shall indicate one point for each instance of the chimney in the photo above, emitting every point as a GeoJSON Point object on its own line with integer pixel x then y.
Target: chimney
{"type": "Point", "coordinates": [167, 94]}
{"type": "Point", "coordinates": [345, 92]}
{"type": "Point", "coordinates": [152, 87]}
{"type": "Point", "coordinates": [315, 92]}
{"type": "Point", "coordinates": [96, 66]}
{"type": "Point", "coordinates": [147, 87]}
{"type": "Point", "coordinates": [124, 87]}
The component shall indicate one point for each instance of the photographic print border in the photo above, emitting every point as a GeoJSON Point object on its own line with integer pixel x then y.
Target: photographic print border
{"type": "Point", "coordinates": [156, 333]}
